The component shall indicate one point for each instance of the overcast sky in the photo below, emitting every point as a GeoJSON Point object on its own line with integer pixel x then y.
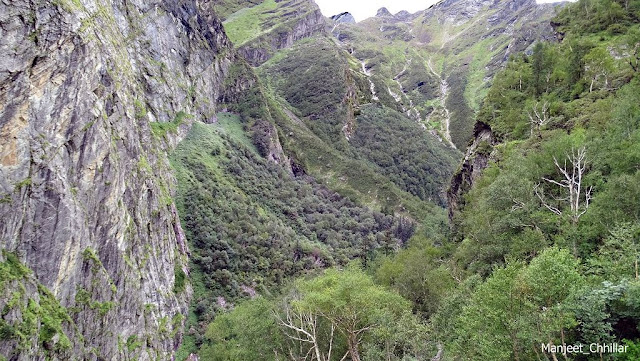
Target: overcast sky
{"type": "Point", "coordinates": [362, 9]}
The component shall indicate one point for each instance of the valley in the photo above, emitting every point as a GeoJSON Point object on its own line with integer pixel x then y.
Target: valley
{"type": "Point", "coordinates": [253, 180]}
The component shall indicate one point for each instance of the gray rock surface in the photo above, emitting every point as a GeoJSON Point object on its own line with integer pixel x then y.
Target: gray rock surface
{"type": "Point", "coordinates": [92, 94]}
{"type": "Point", "coordinates": [383, 13]}
{"type": "Point", "coordinates": [344, 18]}
{"type": "Point", "coordinates": [475, 161]}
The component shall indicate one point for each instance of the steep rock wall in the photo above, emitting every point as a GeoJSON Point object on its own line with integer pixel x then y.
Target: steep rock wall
{"type": "Point", "coordinates": [92, 93]}
{"type": "Point", "coordinates": [476, 160]}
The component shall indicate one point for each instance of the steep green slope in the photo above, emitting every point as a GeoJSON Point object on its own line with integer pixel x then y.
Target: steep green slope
{"type": "Point", "coordinates": [260, 29]}
{"type": "Point", "coordinates": [436, 66]}
{"type": "Point", "coordinates": [404, 152]}
{"type": "Point", "coordinates": [250, 22]}
{"type": "Point", "coordinates": [313, 78]}
{"type": "Point", "coordinates": [288, 183]}
{"type": "Point", "coordinates": [281, 190]}
{"type": "Point", "coordinates": [551, 218]}
{"type": "Point", "coordinates": [315, 90]}
{"type": "Point", "coordinates": [230, 195]}
{"type": "Point", "coordinates": [315, 83]}
{"type": "Point", "coordinates": [252, 225]}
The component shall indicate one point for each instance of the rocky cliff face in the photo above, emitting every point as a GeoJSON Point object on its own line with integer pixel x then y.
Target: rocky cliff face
{"type": "Point", "coordinates": [301, 19]}
{"type": "Point", "coordinates": [344, 18]}
{"type": "Point", "coordinates": [476, 160]}
{"type": "Point", "coordinates": [508, 27]}
{"type": "Point", "coordinates": [92, 93]}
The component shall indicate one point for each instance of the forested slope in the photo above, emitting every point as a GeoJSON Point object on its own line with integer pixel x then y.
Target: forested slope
{"type": "Point", "coordinates": [284, 183]}
{"type": "Point", "coordinates": [548, 235]}
{"type": "Point", "coordinates": [436, 66]}
{"type": "Point", "coordinates": [310, 208]}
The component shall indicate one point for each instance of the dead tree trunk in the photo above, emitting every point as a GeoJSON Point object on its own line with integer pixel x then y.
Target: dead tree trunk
{"type": "Point", "coordinates": [572, 188]}
{"type": "Point", "coordinates": [539, 118]}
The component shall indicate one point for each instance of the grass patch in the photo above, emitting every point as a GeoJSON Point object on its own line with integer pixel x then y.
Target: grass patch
{"type": "Point", "coordinates": [161, 129]}
{"type": "Point", "coordinates": [246, 24]}
{"type": "Point", "coordinates": [180, 278]}
{"type": "Point", "coordinates": [42, 316]}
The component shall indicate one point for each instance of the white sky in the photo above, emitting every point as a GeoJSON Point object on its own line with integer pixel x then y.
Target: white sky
{"type": "Point", "coordinates": [362, 9]}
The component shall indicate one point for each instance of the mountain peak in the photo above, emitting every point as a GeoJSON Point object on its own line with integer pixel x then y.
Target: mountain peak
{"type": "Point", "coordinates": [383, 12]}
{"type": "Point", "coordinates": [345, 17]}
{"type": "Point", "coordinates": [404, 15]}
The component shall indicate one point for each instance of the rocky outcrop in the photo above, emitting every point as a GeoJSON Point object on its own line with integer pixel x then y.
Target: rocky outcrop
{"type": "Point", "coordinates": [267, 141]}
{"type": "Point", "coordinates": [476, 159]}
{"type": "Point", "coordinates": [343, 18]}
{"type": "Point", "coordinates": [383, 13]}
{"type": "Point", "coordinates": [401, 16]}
{"type": "Point", "coordinates": [92, 93]}
{"type": "Point", "coordinates": [406, 16]}
{"type": "Point", "coordinates": [302, 20]}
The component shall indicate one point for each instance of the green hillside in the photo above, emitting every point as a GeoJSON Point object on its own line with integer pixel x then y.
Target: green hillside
{"type": "Point", "coordinates": [342, 251]}
{"type": "Point", "coordinates": [552, 225]}
{"type": "Point", "coordinates": [252, 180]}
{"type": "Point", "coordinates": [316, 85]}
{"type": "Point", "coordinates": [436, 65]}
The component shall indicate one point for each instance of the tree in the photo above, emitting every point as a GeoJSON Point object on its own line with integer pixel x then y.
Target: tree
{"type": "Point", "coordinates": [632, 42]}
{"type": "Point", "coordinates": [418, 274]}
{"type": "Point", "coordinates": [573, 189]}
{"type": "Point", "coordinates": [599, 64]}
{"type": "Point", "coordinates": [351, 302]}
{"type": "Point", "coordinates": [518, 308]}
{"type": "Point", "coordinates": [489, 325]}
{"type": "Point", "coordinates": [618, 257]}
{"type": "Point", "coordinates": [248, 332]}
{"type": "Point", "coordinates": [539, 118]}
{"type": "Point", "coordinates": [302, 327]}
{"type": "Point", "coordinates": [547, 282]}
{"type": "Point", "coordinates": [542, 67]}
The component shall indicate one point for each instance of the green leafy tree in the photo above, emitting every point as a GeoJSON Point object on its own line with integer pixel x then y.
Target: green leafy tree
{"type": "Point", "coordinates": [418, 274]}
{"type": "Point", "coordinates": [248, 332]}
{"type": "Point", "coordinates": [599, 65]}
{"type": "Point", "coordinates": [353, 304]}
{"type": "Point", "coordinates": [632, 42]}
{"type": "Point", "coordinates": [618, 257]}
{"type": "Point", "coordinates": [542, 67]}
{"type": "Point", "coordinates": [489, 326]}
{"type": "Point", "coordinates": [518, 308]}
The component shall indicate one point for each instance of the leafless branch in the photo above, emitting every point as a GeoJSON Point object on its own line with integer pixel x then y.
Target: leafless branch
{"type": "Point", "coordinates": [539, 118]}
{"type": "Point", "coordinates": [572, 170]}
{"type": "Point", "coordinates": [540, 193]}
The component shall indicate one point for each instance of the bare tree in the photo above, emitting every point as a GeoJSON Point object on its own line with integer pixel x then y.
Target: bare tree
{"type": "Point", "coordinates": [539, 118]}
{"type": "Point", "coordinates": [574, 191]}
{"type": "Point", "coordinates": [301, 327]}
